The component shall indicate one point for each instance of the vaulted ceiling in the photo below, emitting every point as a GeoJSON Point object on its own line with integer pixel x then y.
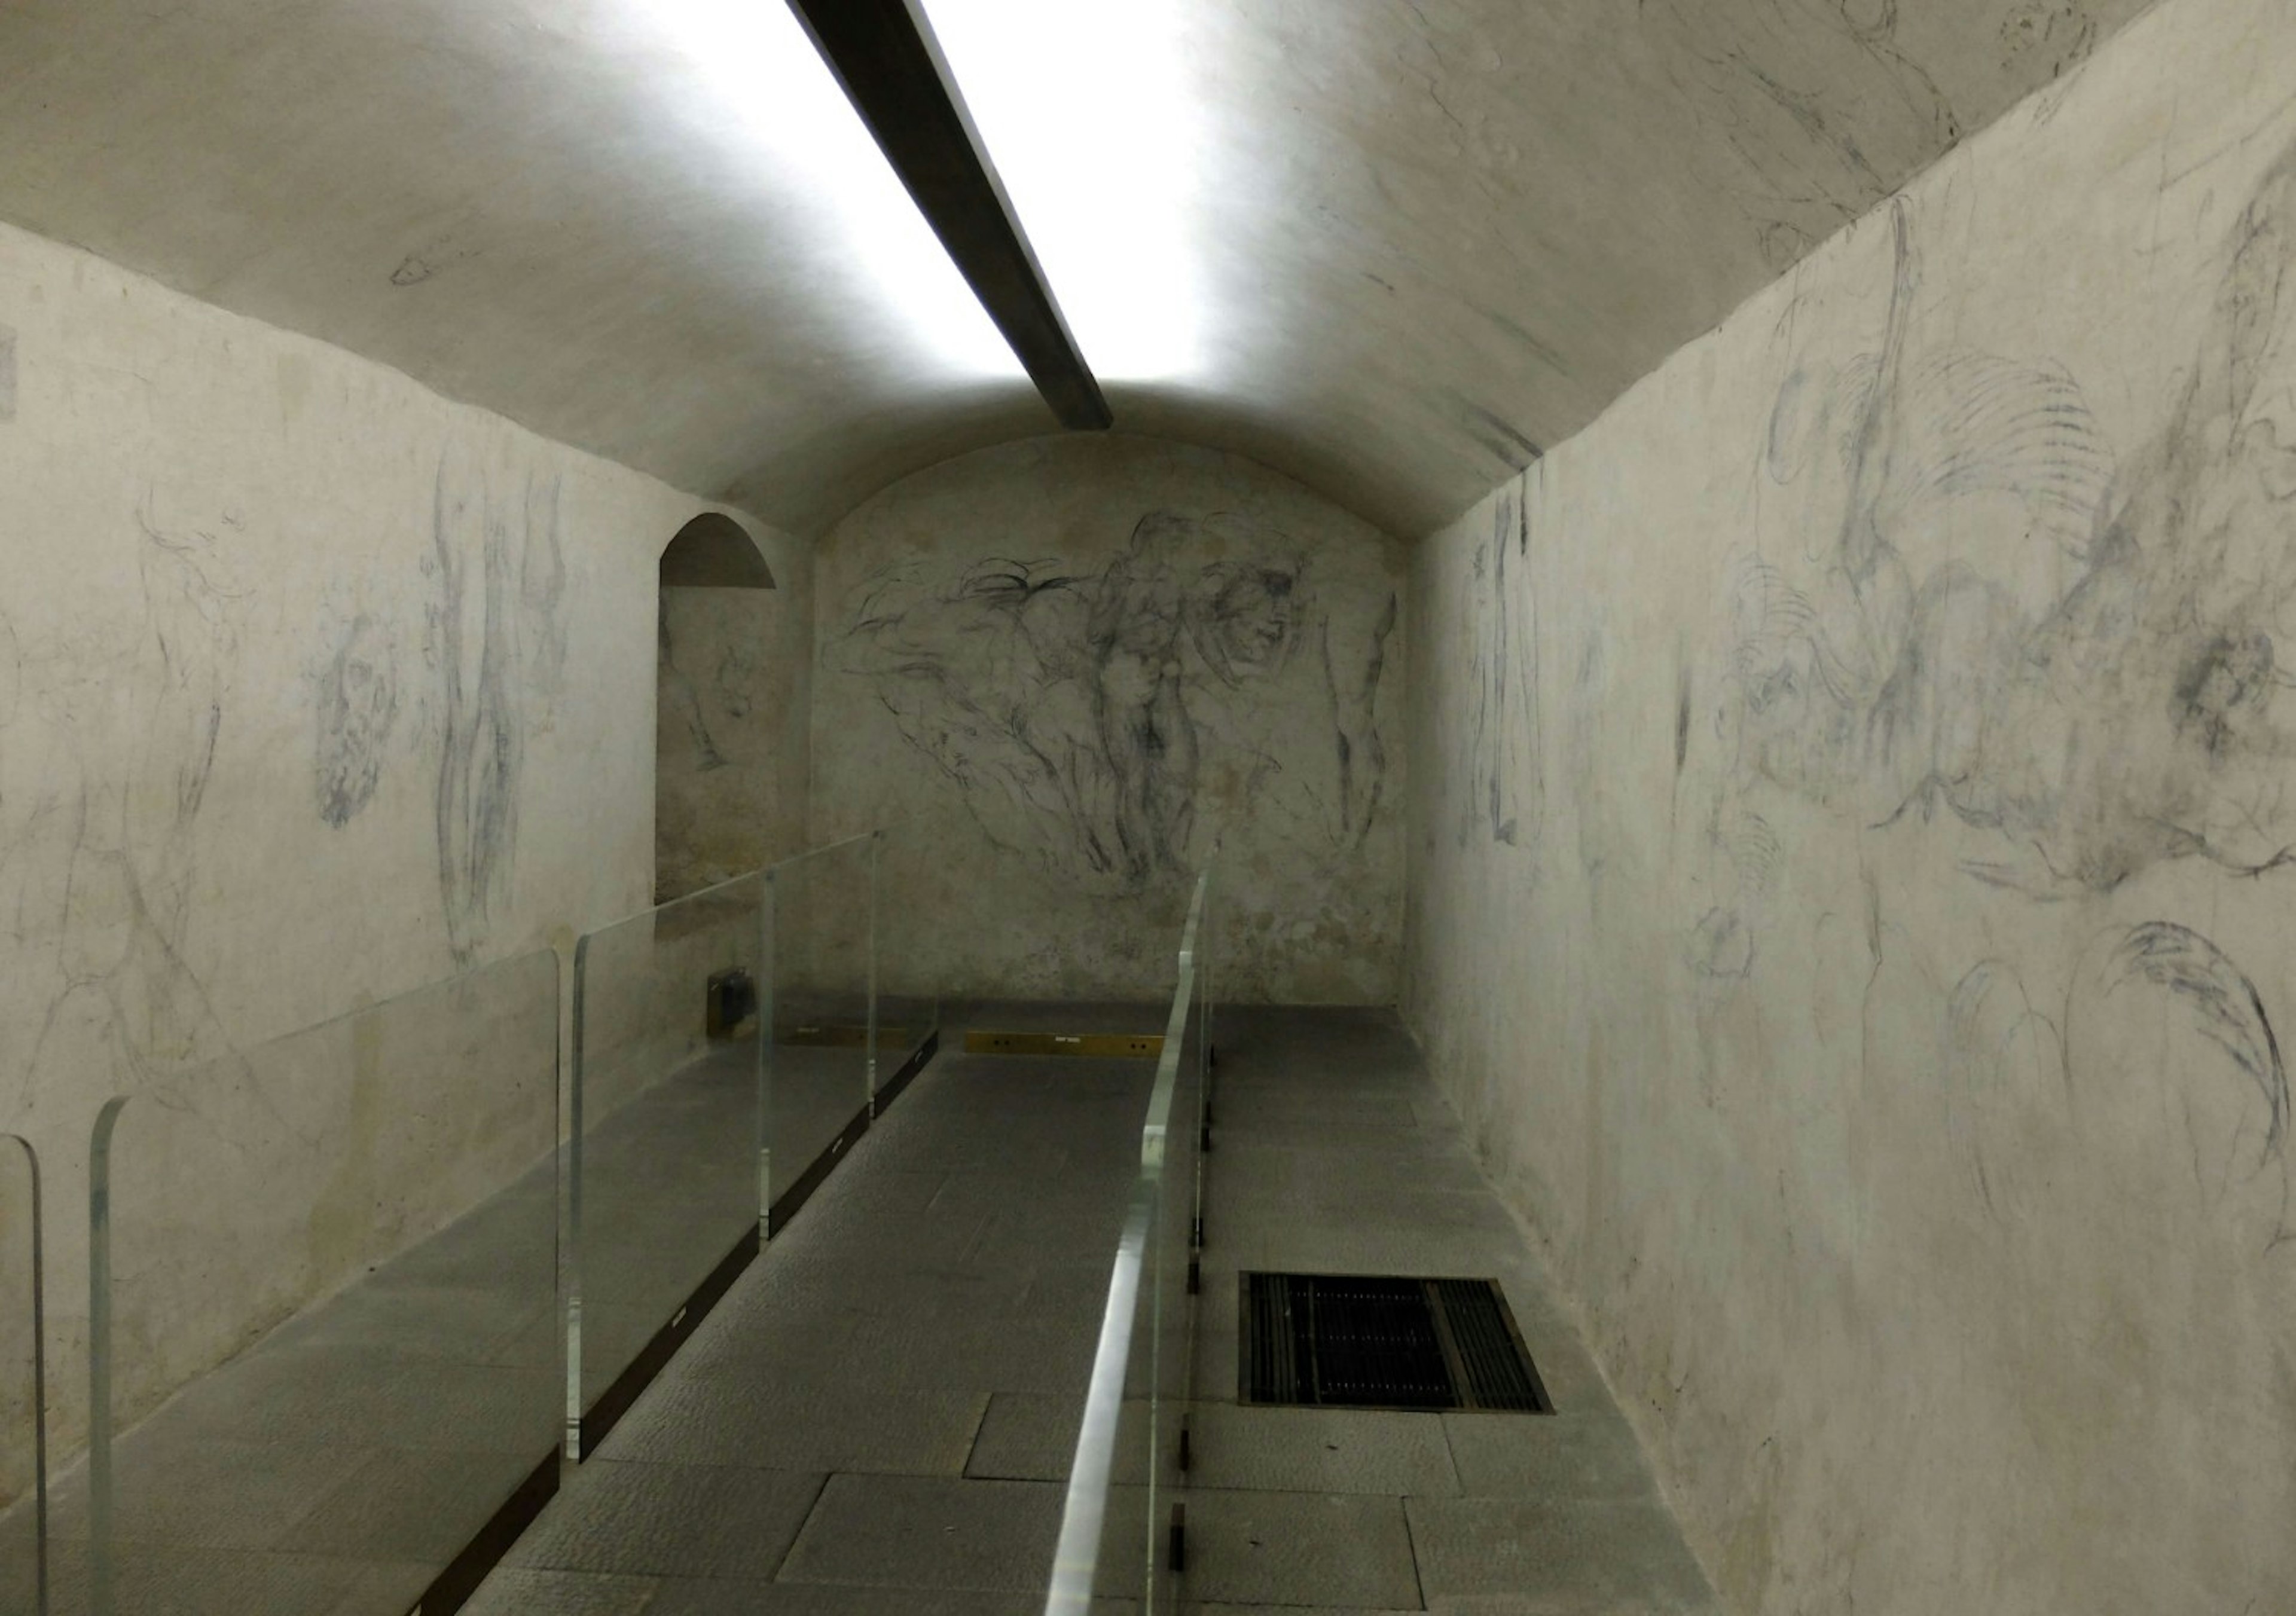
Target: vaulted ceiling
{"type": "Point", "coordinates": [1391, 247]}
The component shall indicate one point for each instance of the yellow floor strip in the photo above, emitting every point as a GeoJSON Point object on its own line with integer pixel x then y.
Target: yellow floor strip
{"type": "Point", "coordinates": [1122, 1046]}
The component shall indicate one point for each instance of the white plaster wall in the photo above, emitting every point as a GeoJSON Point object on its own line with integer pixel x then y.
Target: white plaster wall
{"type": "Point", "coordinates": [1074, 668]}
{"type": "Point", "coordinates": [1850, 884]}
{"type": "Point", "coordinates": [314, 687]}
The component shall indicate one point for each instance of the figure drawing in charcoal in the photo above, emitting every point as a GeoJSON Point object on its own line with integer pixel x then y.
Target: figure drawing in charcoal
{"type": "Point", "coordinates": [1500, 763]}
{"type": "Point", "coordinates": [1820, 106]}
{"type": "Point", "coordinates": [496, 645]}
{"type": "Point", "coordinates": [112, 728]}
{"type": "Point", "coordinates": [2067, 663]}
{"type": "Point", "coordinates": [1084, 714]}
{"type": "Point", "coordinates": [2077, 662]}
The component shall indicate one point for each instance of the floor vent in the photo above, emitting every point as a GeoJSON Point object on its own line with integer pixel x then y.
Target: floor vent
{"type": "Point", "coordinates": [1361, 1340]}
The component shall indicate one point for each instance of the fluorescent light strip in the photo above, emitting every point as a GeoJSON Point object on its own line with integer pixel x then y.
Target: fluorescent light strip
{"type": "Point", "coordinates": [770, 91]}
{"type": "Point", "coordinates": [1085, 109]}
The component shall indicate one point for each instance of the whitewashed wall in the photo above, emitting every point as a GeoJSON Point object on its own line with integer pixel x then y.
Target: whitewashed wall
{"type": "Point", "coordinates": [314, 687]}
{"type": "Point", "coordinates": [1854, 795]}
{"type": "Point", "coordinates": [1075, 667]}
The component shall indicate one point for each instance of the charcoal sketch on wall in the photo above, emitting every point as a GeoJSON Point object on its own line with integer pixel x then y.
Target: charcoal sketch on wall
{"type": "Point", "coordinates": [356, 709]}
{"type": "Point", "coordinates": [100, 861]}
{"type": "Point", "coordinates": [1501, 766]}
{"type": "Point", "coordinates": [2069, 659]}
{"type": "Point", "coordinates": [1823, 108]}
{"type": "Point", "coordinates": [2162, 1057]}
{"type": "Point", "coordinates": [1089, 715]}
{"type": "Point", "coordinates": [495, 554]}
{"type": "Point", "coordinates": [678, 691]}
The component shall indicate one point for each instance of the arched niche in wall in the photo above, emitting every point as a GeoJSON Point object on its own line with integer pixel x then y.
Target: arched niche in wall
{"type": "Point", "coordinates": [723, 698]}
{"type": "Point", "coordinates": [714, 552]}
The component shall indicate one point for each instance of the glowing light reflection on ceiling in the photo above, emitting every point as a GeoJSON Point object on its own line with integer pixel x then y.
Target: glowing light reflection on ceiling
{"type": "Point", "coordinates": [770, 90]}
{"type": "Point", "coordinates": [1085, 108]}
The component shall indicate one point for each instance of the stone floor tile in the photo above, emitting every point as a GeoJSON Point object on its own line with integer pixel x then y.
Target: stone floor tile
{"type": "Point", "coordinates": [681, 1597]}
{"type": "Point", "coordinates": [172, 1486]}
{"type": "Point", "coordinates": [818, 1425]}
{"type": "Point", "coordinates": [410, 1507]}
{"type": "Point", "coordinates": [1320, 1450]}
{"type": "Point", "coordinates": [663, 1520]}
{"type": "Point", "coordinates": [1299, 1548]}
{"type": "Point", "coordinates": [514, 1591]}
{"type": "Point", "coordinates": [1031, 1438]}
{"type": "Point", "coordinates": [904, 1531]}
{"type": "Point", "coordinates": [1026, 1437]}
{"type": "Point", "coordinates": [1565, 1456]}
{"type": "Point", "coordinates": [1575, 1557]}
{"type": "Point", "coordinates": [1223, 1608]}
{"type": "Point", "coordinates": [174, 1580]}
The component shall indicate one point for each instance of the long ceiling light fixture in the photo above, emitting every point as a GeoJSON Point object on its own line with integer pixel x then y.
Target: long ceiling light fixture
{"type": "Point", "coordinates": [883, 54]}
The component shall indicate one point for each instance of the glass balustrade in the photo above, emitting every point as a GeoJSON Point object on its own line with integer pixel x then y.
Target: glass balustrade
{"type": "Point", "coordinates": [821, 1003]}
{"type": "Point", "coordinates": [667, 1089]}
{"type": "Point", "coordinates": [24, 1572]}
{"type": "Point", "coordinates": [907, 881]}
{"type": "Point", "coordinates": [323, 1337]}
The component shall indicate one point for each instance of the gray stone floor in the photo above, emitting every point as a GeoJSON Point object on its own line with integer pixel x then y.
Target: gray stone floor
{"type": "Point", "coordinates": [808, 1451]}
{"type": "Point", "coordinates": [338, 1463]}
{"type": "Point", "coordinates": [880, 1416]}
{"type": "Point", "coordinates": [1336, 1153]}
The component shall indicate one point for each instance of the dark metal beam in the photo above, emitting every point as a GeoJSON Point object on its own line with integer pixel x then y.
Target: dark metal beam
{"type": "Point", "coordinates": [883, 54]}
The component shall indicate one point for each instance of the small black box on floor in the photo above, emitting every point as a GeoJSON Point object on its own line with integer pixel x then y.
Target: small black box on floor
{"type": "Point", "coordinates": [732, 999]}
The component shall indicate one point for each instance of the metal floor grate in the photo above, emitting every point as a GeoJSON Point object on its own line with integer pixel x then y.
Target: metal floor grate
{"type": "Point", "coordinates": [1361, 1340]}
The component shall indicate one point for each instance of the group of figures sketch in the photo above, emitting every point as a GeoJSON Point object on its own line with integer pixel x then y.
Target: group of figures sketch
{"type": "Point", "coordinates": [2003, 626]}
{"type": "Point", "coordinates": [2060, 664]}
{"type": "Point", "coordinates": [1102, 717]}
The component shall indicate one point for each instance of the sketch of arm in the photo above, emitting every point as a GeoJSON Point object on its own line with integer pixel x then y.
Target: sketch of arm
{"type": "Point", "coordinates": [1354, 662]}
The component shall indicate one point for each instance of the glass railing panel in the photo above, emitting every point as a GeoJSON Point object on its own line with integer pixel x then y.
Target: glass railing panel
{"type": "Point", "coordinates": [324, 1350]}
{"type": "Point", "coordinates": [663, 1117]}
{"type": "Point", "coordinates": [23, 1377]}
{"type": "Point", "coordinates": [821, 1006]}
{"type": "Point", "coordinates": [1119, 1519]}
{"type": "Point", "coordinates": [1172, 1322]}
{"type": "Point", "coordinates": [909, 875]}
{"type": "Point", "coordinates": [1205, 1047]}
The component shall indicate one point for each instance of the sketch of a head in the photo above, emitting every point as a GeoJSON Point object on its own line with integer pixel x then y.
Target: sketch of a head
{"type": "Point", "coordinates": [1161, 533]}
{"type": "Point", "coordinates": [2058, 32]}
{"type": "Point", "coordinates": [1870, 19]}
{"type": "Point", "coordinates": [2226, 683]}
{"type": "Point", "coordinates": [356, 702]}
{"type": "Point", "coordinates": [1246, 616]}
